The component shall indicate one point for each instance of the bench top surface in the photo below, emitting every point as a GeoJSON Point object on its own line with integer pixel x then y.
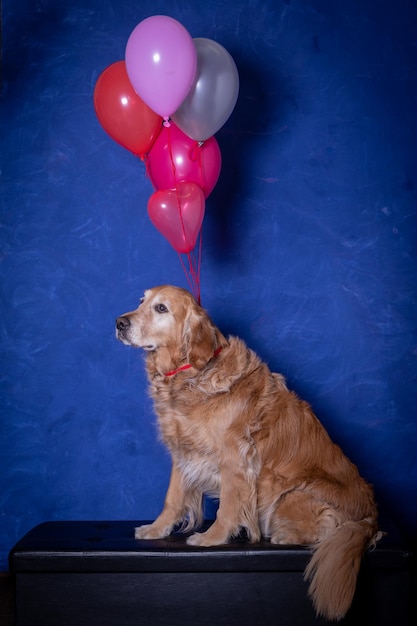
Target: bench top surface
{"type": "Point", "coordinates": [111, 546]}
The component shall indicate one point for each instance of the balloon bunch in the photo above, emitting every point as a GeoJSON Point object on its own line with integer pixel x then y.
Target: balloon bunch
{"type": "Point", "coordinates": [164, 103]}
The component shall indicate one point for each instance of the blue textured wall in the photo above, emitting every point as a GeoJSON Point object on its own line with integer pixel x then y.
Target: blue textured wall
{"type": "Point", "coordinates": [309, 248]}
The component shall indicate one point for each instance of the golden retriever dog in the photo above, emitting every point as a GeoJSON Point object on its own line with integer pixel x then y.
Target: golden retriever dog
{"type": "Point", "coordinates": [235, 431]}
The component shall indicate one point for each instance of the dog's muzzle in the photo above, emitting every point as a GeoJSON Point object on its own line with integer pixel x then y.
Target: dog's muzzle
{"type": "Point", "coordinates": [122, 327]}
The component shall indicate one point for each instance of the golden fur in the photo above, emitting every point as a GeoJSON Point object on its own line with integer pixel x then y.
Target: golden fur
{"type": "Point", "coordinates": [234, 430]}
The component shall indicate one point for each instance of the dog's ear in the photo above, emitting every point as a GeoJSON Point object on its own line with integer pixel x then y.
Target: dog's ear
{"type": "Point", "coordinates": [201, 338]}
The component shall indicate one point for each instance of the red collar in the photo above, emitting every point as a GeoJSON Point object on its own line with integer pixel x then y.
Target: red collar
{"type": "Point", "coordinates": [188, 365]}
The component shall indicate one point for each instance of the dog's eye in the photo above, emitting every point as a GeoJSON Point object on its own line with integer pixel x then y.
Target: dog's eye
{"type": "Point", "coordinates": [161, 308]}
{"type": "Point", "coordinates": [141, 300]}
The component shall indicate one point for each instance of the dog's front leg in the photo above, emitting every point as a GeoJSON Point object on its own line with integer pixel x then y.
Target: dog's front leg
{"type": "Point", "coordinates": [173, 512]}
{"type": "Point", "coordinates": [237, 509]}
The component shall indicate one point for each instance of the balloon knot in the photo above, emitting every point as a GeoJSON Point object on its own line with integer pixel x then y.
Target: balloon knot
{"type": "Point", "coordinates": [166, 122]}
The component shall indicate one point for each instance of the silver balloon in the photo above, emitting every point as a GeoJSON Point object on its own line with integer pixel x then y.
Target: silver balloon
{"type": "Point", "coordinates": [213, 95]}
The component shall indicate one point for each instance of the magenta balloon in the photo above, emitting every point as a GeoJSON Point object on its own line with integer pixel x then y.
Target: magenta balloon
{"type": "Point", "coordinates": [175, 157]}
{"type": "Point", "coordinates": [161, 63]}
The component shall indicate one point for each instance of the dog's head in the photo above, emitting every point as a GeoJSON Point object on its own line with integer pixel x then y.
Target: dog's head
{"type": "Point", "coordinates": [169, 318]}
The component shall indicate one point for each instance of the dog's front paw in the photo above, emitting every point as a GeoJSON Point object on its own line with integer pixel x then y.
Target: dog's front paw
{"type": "Point", "coordinates": [150, 531]}
{"type": "Point", "coordinates": [205, 540]}
{"type": "Point", "coordinates": [198, 539]}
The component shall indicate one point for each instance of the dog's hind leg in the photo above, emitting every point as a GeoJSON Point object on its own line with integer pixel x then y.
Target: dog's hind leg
{"type": "Point", "coordinates": [299, 518]}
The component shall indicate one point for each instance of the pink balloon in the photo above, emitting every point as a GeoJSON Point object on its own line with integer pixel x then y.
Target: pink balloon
{"type": "Point", "coordinates": [178, 215]}
{"type": "Point", "coordinates": [161, 62]}
{"type": "Point", "coordinates": [175, 157]}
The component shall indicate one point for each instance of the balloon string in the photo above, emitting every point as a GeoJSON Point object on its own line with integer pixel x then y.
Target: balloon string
{"type": "Point", "coordinates": [197, 268]}
{"type": "Point", "coordinates": [174, 171]}
{"type": "Point", "coordinates": [193, 273]}
{"type": "Point", "coordinates": [195, 154]}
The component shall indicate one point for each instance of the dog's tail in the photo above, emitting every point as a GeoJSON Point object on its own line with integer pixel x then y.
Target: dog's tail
{"type": "Point", "coordinates": [334, 567]}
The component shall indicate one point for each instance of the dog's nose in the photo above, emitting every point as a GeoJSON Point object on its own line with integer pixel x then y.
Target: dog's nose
{"type": "Point", "coordinates": [122, 323]}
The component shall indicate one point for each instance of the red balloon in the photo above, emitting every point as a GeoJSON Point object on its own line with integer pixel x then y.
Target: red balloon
{"type": "Point", "coordinates": [175, 157]}
{"type": "Point", "coordinates": [178, 214]}
{"type": "Point", "coordinates": [122, 113]}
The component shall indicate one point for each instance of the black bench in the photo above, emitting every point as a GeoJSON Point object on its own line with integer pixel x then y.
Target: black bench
{"type": "Point", "coordinates": [97, 574]}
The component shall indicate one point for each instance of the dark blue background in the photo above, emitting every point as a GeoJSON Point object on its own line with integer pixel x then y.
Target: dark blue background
{"type": "Point", "coordinates": [309, 246]}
